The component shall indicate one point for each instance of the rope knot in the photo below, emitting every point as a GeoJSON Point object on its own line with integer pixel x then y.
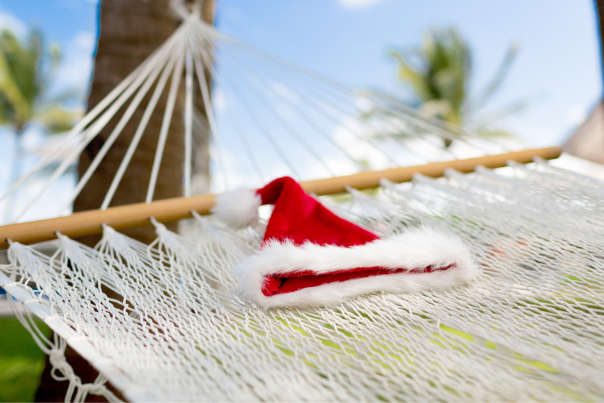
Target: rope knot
{"type": "Point", "coordinates": [57, 358]}
{"type": "Point", "coordinates": [93, 388]}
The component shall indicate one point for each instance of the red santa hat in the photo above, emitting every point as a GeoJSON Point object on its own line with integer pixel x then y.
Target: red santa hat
{"type": "Point", "coordinates": [311, 257]}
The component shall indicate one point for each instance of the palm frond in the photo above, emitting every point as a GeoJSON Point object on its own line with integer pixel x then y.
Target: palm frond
{"type": "Point", "coordinates": [57, 119]}
{"type": "Point", "coordinates": [22, 83]}
{"type": "Point", "coordinates": [502, 112]}
{"type": "Point", "coordinates": [13, 103]}
{"type": "Point", "coordinates": [437, 72]}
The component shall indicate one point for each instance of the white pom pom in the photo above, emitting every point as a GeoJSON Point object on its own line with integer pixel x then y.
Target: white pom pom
{"type": "Point", "coordinates": [237, 209]}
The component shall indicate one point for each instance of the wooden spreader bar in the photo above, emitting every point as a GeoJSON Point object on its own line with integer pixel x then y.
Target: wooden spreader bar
{"type": "Point", "coordinates": [168, 210]}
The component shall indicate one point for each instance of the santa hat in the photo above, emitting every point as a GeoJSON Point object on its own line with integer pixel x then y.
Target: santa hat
{"type": "Point", "coordinates": [311, 257]}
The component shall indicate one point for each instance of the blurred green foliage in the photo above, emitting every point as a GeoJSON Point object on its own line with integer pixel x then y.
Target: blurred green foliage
{"type": "Point", "coordinates": [438, 73]}
{"type": "Point", "coordinates": [24, 79]}
{"type": "Point", "coordinates": [26, 72]}
{"type": "Point", "coordinates": [439, 76]}
{"type": "Point", "coordinates": [21, 361]}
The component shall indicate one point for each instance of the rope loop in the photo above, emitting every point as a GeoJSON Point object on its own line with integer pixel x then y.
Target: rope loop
{"type": "Point", "coordinates": [59, 363]}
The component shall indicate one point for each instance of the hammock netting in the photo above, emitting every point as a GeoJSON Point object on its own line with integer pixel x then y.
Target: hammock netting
{"type": "Point", "coordinates": [264, 118]}
{"type": "Point", "coordinates": [529, 328]}
{"type": "Point", "coordinates": [163, 322]}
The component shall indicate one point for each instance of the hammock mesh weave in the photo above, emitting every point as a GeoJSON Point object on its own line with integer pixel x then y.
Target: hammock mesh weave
{"type": "Point", "coordinates": [529, 328]}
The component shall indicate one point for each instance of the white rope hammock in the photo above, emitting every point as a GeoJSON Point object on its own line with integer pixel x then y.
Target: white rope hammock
{"type": "Point", "coordinates": [278, 120]}
{"type": "Point", "coordinates": [529, 328]}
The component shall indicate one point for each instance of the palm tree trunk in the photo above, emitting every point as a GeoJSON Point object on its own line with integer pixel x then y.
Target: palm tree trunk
{"type": "Point", "coordinates": [130, 31]}
{"type": "Point", "coordinates": [600, 19]}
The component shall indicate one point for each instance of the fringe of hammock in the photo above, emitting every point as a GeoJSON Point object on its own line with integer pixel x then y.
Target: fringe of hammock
{"type": "Point", "coordinates": [169, 210]}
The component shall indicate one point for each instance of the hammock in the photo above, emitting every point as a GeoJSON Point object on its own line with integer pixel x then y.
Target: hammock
{"type": "Point", "coordinates": [528, 328]}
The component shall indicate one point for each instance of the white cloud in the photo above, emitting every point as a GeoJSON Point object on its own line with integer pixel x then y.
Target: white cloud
{"type": "Point", "coordinates": [363, 104]}
{"type": "Point", "coordinates": [10, 22]}
{"type": "Point", "coordinates": [357, 3]}
{"type": "Point", "coordinates": [338, 166]}
{"type": "Point", "coordinates": [538, 135]}
{"type": "Point", "coordinates": [577, 115]}
{"type": "Point", "coordinates": [76, 66]}
{"type": "Point", "coordinates": [351, 135]}
{"type": "Point", "coordinates": [59, 147]}
{"type": "Point", "coordinates": [219, 100]}
{"type": "Point", "coordinates": [84, 40]}
{"type": "Point", "coordinates": [235, 175]}
{"type": "Point", "coordinates": [286, 92]}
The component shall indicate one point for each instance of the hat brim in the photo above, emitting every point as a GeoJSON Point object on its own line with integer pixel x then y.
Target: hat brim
{"type": "Point", "coordinates": [410, 255]}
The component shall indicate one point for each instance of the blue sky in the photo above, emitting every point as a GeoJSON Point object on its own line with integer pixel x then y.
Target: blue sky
{"type": "Point", "coordinates": [558, 65]}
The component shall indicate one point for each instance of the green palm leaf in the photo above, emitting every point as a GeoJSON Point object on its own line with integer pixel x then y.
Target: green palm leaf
{"type": "Point", "coordinates": [438, 75]}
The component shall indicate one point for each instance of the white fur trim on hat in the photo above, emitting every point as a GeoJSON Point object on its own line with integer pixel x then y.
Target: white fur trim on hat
{"type": "Point", "coordinates": [414, 249]}
{"type": "Point", "coordinates": [237, 209]}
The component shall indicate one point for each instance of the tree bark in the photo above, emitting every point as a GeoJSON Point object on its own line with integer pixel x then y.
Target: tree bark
{"type": "Point", "coordinates": [600, 20]}
{"type": "Point", "coordinates": [130, 31]}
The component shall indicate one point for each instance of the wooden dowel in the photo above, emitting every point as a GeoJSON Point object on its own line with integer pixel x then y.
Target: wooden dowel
{"type": "Point", "coordinates": [168, 210]}
{"type": "Point", "coordinates": [365, 180]}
